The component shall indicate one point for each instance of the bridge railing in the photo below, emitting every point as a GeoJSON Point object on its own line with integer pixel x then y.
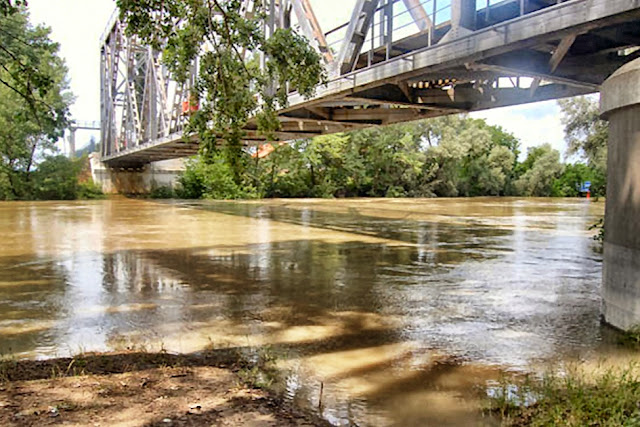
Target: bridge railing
{"type": "Point", "coordinates": [416, 24]}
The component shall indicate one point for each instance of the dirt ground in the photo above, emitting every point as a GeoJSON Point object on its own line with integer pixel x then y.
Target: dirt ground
{"type": "Point", "coordinates": [136, 390]}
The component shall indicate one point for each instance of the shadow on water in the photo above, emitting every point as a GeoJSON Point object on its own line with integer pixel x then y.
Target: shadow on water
{"type": "Point", "coordinates": [394, 313]}
{"type": "Point", "coordinates": [389, 224]}
{"type": "Point", "coordinates": [297, 283]}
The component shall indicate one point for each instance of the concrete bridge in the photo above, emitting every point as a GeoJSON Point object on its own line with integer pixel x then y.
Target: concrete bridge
{"type": "Point", "coordinates": [403, 60]}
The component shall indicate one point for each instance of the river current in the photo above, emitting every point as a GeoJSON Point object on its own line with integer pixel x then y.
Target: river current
{"type": "Point", "coordinates": [403, 311]}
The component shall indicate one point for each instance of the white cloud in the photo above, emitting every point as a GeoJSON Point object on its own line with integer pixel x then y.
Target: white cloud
{"type": "Point", "coordinates": [77, 25]}
{"type": "Point", "coordinates": [532, 124]}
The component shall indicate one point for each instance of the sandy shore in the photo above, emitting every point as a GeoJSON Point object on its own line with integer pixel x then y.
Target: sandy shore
{"type": "Point", "coordinates": [138, 389]}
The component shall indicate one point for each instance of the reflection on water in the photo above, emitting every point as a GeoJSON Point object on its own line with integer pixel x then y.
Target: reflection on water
{"type": "Point", "coordinates": [400, 308]}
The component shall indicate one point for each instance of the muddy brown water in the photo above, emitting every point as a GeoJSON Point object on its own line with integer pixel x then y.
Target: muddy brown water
{"type": "Point", "coordinates": [402, 311]}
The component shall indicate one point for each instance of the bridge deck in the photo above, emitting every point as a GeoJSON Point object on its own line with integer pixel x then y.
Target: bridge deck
{"type": "Point", "coordinates": [565, 50]}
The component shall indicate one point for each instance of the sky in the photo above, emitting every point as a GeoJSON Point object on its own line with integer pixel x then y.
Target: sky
{"type": "Point", "coordinates": [78, 25]}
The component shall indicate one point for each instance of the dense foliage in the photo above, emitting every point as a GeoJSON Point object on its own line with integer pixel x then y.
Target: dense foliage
{"type": "Point", "coordinates": [449, 156]}
{"type": "Point", "coordinates": [30, 70]}
{"type": "Point", "coordinates": [231, 86]}
{"type": "Point", "coordinates": [587, 137]}
{"type": "Point", "coordinates": [34, 101]}
{"type": "Point", "coordinates": [8, 7]}
{"type": "Point", "coordinates": [58, 178]}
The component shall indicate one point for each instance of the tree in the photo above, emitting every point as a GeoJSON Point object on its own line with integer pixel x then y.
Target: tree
{"type": "Point", "coordinates": [9, 7]}
{"type": "Point", "coordinates": [56, 179]}
{"type": "Point", "coordinates": [23, 68]}
{"type": "Point", "coordinates": [448, 156]}
{"type": "Point", "coordinates": [571, 180]}
{"type": "Point", "coordinates": [212, 179]}
{"type": "Point", "coordinates": [33, 105]}
{"type": "Point", "coordinates": [391, 159]}
{"type": "Point", "coordinates": [585, 132]}
{"type": "Point", "coordinates": [467, 157]}
{"type": "Point", "coordinates": [587, 136]}
{"type": "Point", "coordinates": [231, 86]}
{"type": "Point", "coordinates": [539, 171]}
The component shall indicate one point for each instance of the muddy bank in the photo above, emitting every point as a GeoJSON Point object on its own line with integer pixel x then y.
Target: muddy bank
{"type": "Point", "coordinates": [138, 389]}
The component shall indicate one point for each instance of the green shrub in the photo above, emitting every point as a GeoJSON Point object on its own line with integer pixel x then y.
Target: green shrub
{"type": "Point", "coordinates": [90, 190]}
{"type": "Point", "coordinates": [573, 176]}
{"type": "Point", "coordinates": [162, 192]}
{"type": "Point", "coordinates": [212, 180]}
{"type": "Point", "coordinates": [56, 178]}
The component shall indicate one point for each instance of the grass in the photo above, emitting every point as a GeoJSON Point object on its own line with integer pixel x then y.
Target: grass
{"type": "Point", "coordinates": [631, 338]}
{"type": "Point", "coordinates": [611, 398]}
{"type": "Point", "coordinates": [7, 363]}
{"type": "Point", "coordinates": [259, 369]}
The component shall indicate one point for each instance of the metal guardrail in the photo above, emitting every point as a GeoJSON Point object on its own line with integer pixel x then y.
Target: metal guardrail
{"type": "Point", "coordinates": [436, 11]}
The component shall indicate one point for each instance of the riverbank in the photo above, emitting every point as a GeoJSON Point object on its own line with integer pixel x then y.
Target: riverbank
{"type": "Point", "coordinates": [139, 389]}
{"type": "Point", "coordinates": [605, 394]}
{"type": "Point", "coordinates": [576, 397]}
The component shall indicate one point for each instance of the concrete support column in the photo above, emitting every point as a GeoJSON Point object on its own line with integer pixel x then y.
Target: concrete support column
{"type": "Point", "coordinates": [72, 143]}
{"type": "Point", "coordinates": [620, 104]}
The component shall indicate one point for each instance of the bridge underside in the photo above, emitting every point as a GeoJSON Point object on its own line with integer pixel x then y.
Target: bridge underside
{"type": "Point", "coordinates": [546, 52]}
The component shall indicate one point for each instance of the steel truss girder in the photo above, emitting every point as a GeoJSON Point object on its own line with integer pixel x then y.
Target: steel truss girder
{"type": "Point", "coordinates": [135, 93]}
{"type": "Point", "coordinates": [141, 102]}
{"type": "Point", "coordinates": [544, 54]}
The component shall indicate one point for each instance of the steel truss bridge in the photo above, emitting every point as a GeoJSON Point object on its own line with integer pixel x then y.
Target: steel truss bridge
{"type": "Point", "coordinates": [394, 61]}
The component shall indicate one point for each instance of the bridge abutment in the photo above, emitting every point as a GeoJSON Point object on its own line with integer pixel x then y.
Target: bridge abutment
{"type": "Point", "coordinates": [136, 181]}
{"type": "Point", "coordinates": [620, 104]}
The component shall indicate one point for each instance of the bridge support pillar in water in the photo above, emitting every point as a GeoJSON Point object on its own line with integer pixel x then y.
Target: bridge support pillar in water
{"type": "Point", "coordinates": [620, 104]}
{"type": "Point", "coordinates": [135, 180]}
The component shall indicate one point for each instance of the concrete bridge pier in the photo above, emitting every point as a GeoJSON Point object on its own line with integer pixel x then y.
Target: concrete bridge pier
{"type": "Point", "coordinates": [620, 104]}
{"type": "Point", "coordinates": [135, 181]}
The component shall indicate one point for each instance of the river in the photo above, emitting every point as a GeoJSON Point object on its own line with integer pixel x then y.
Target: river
{"type": "Point", "coordinates": [402, 310]}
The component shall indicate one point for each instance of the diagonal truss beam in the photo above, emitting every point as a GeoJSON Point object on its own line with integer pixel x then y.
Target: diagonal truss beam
{"type": "Point", "coordinates": [359, 26]}
{"type": "Point", "coordinates": [419, 15]}
{"type": "Point", "coordinates": [557, 57]}
{"type": "Point", "coordinates": [311, 28]}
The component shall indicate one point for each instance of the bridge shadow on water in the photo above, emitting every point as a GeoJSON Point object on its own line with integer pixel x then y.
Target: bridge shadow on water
{"type": "Point", "coordinates": [397, 313]}
{"type": "Point", "coordinates": [400, 225]}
